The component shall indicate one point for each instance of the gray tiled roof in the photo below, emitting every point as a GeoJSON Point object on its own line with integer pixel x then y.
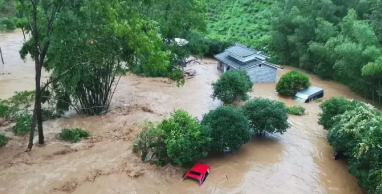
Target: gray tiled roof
{"type": "Point", "coordinates": [227, 59]}
{"type": "Point", "coordinates": [240, 51]}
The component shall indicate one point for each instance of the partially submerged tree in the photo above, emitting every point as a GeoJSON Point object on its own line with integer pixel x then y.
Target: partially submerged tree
{"type": "Point", "coordinates": [185, 139]}
{"type": "Point", "coordinates": [266, 116]}
{"type": "Point", "coordinates": [41, 16]}
{"type": "Point", "coordinates": [232, 85]}
{"type": "Point", "coordinates": [179, 139]}
{"type": "Point", "coordinates": [292, 82]}
{"type": "Point", "coordinates": [229, 128]}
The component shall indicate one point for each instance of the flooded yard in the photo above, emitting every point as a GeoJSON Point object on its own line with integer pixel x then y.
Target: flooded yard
{"type": "Point", "coordinates": [297, 162]}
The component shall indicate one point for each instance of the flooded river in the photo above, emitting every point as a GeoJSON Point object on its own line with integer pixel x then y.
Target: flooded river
{"type": "Point", "coordinates": [297, 162]}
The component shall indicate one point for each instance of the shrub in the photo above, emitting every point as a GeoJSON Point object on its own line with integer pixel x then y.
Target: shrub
{"type": "Point", "coordinates": [266, 115]}
{"type": "Point", "coordinates": [232, 85]}
{"type": "Point", "coordinates": [151, 144]}
{"type": "Point", "coordinates": [3, 140]}
{"type": "Point", "coordinates": [7, 24]}
{"type": "Point", "coordinates": [292, 82]}
{"type": "Point", "coordinates": [229, 128]}
{"type": "Point", "coordinates": [3, 109]}
{"type": "Point", "coordinates": [23, 124]}
{"type": "Point", "coordinates": [179, 139]}
{"type": "Point", "coordinates": [73, 135]}
{"type": "Point", "coordinates": [18, 103]}
{"type": "Point", "coordinates": [334, 107]}
{"type": "Point", "coordinates": [296, 110]}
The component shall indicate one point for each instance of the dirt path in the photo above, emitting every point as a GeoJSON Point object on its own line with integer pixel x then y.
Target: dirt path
{"type": "Point", "coordinates": [297, 162]}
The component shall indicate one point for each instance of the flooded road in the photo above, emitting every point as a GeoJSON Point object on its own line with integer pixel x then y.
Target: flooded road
{"type": "Point", "coordinates": [296, 162]}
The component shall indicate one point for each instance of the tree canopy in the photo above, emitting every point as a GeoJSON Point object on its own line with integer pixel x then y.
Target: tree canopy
{"type": "Point", "coordinates": [231, 86]}
{"type": "Point", "coordinates": [356, 132]}
{"type": "Point", "coordinates": [179, 139]}
{"type": "Point", "coordinates": [266, 115]}
{"type": "Point", "coordinates": [292, 82]}
{"type": "Point", "coordinates": [229, 128]}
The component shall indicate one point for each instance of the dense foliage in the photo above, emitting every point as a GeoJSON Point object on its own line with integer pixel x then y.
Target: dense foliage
{"type": "Point", "coordinates": [6, 24]}
{"type": "Point", "coordinates": [232, 85]}
{"type": "Point", "coordinates": [3, 140]}
{"type": "Point", "coordinates": [334, 107]}
{"type": "Point", "coordinates": [296, 110]}
{"type": "Point", "coordinates": [7, 11]}
{"type": "Point", "coordinates": [20, 102]}
{"type": "Point", "coordinates": [229, 128]}
{"type": "Point", "coordinates": [23, 123]}
{"type": "Point", "coordinates": [179, 139]}
{"type": "Point", "coordinates": [266, 115]}
{"type": "Point", "coordinates": [292, 82]}
{"type": "Point", "coordinates": [245, 21]}
{"type": "Point", "coordinates": [356, 132]}
{"type": "Point", "coordinates": [73, 135]}
{"type": "Point", "coordinates": [337, 40]}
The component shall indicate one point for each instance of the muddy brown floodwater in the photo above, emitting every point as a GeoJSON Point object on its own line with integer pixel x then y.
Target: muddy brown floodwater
{"type": "Point", "coordinates": [298, 161]}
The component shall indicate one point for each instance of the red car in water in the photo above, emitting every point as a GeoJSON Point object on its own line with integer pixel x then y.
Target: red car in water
{"type": "Point", "coordinates": [198, 172]}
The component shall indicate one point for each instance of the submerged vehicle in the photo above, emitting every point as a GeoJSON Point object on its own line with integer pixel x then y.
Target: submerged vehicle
{"type": "Point", "coordinates": [309, 94]}
{"type": "Point", "coordinates": [198, 172]}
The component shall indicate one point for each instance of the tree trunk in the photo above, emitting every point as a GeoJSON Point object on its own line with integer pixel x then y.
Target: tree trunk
{"type": "Point", "coordinates": [22, 29]}
{"type": "Point", "coordinates": [33, 127]}
{"type": "Point", "coordinates": [38, 67]}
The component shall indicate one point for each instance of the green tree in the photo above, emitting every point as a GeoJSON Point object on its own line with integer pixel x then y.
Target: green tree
{"type": "Point", "coordinates": [266, 116]}
{"type": "Point", "coordinates": [104, 48]}
{"type": "Point", "coordinates": [6, 24]}
{"type": "Point", "coordinates": [292, 82]}
{"type": "Point", "coordinates": [357, 134]}
{"type": "Point", "coordinates": [41, 16]}
{"type": "Point", "coordinates": [334, 107]}
{"type": "Point", "coordinates": [179, 139]}
{"type": "Point", "coordinates": [186, 141]}
{"type": "Point", "coordinates": [229, 128]}
{"type": "Point", "coordinates": [232, 85]}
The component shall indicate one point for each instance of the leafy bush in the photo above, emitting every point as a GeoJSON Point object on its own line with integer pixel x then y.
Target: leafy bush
{"type": "Point", "coordinates": [73, 135]}
{"type": "Point", "coordinates": [23, 124]}
{"type": "Point", "coordinates": [334, 107]}
{"type": "Point", "coordinates": [296, 110]}
{"type": "Point", "coordinates": [266, 115]}
{"type": "Point", "coordinates": [232, 85]}
{"type": "Point", "coordinates": [18, 103]}
{"type": "Point", "coordinates": [3, 140]}
{"type": "Point", "coordinates": [229, 128]}
{"type": "Point", "coordinates": [151, 144]}
{"type": "Point", "coordinates": [179, 139]}
{"type": "Point", "coordinates": [7, 24]}
{"type": "Point", "coordinates": [3, 109]}
{"type": "Point", "coordinates": [292, 82]}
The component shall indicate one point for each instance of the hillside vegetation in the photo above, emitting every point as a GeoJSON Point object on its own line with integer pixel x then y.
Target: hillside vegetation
{"type": "Point", "coordinates": [245, 21]}
{"type": "Point", "coordinates": [334, 39]}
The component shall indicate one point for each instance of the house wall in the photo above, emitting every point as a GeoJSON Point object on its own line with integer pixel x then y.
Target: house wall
{"type": "Point", "coordinates": [223, 67]}
{"type": "Point", "coordinates": [262, 74]}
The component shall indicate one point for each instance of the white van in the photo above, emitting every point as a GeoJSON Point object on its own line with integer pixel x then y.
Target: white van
{"type": "Point", "coordinates": [309, 94]}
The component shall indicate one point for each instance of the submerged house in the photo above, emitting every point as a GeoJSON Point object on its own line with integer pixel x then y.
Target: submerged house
{"type": "Point", "coordinates": [252, 61]}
